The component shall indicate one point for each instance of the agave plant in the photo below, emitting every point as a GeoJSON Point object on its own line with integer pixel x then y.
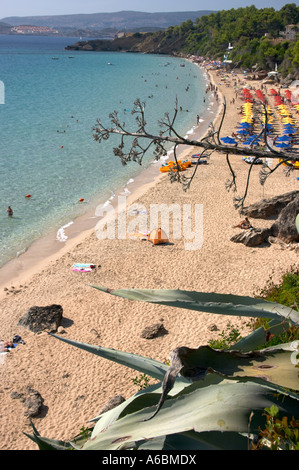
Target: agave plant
{"type": "Point", "coordinates": [205, 398]}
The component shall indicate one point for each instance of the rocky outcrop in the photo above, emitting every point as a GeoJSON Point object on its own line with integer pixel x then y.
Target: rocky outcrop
{"type": "Point", "coordinates": [39, 319]}
{"type": "Point", "coordinates": [286, 207]}
{"type": "Point", "coordinates": [252, 237]}
{"type": "Point", "coordinates": [285, 226]}
{"type": "Point", "coordinates": [269, 207]}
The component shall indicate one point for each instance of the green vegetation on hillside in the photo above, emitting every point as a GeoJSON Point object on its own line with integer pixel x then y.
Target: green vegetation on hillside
{"type": "Point", "coordinates": [260, 37]}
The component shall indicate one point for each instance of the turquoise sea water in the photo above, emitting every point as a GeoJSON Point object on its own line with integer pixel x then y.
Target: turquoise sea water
{"type": "Point", "coordinates": [53, 98]}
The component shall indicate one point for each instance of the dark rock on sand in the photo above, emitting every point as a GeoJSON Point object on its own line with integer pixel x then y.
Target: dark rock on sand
{"type": "Point", "coordinates": [252, 237]}
{"type": "Point", "coordinates": [285, 227]}
{"type": "Point", "coordinates": [32, 400]}
{"type": "Point", "coordinates": [151, 332]}
{"type": "Point", "coordinates": [39, 319]}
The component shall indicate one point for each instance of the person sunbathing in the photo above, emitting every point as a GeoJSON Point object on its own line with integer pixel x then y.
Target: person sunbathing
{"type": "Point", "coordinates": [244, 224]}
{"type": "Point", "coordinates": [5, 346]}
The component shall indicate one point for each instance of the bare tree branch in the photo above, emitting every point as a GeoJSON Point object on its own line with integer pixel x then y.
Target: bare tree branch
{"type": "Point", "coordinates": [209, 144]}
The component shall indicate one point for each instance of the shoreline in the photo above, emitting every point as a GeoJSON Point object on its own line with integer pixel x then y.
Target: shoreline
{"type": "Point", "coordinates": [74, 384]}
{"type": "Point", "coordinates": [48, 248]}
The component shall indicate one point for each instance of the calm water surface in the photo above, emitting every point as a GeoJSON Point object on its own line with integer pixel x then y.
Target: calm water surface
{"type": "Point", "coordinates": [53, 98]}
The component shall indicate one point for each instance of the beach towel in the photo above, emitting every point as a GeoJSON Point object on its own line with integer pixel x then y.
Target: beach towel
{"type": "Point", "coordinates": [82, 270]}
{"type": "Point", "coordinates": [139, 235]}
{"type": "Point", "coordinates": [83, 267]}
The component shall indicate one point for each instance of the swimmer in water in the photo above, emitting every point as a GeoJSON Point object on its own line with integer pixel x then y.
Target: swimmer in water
{"type": "Point", "coordinates": [9, 211]}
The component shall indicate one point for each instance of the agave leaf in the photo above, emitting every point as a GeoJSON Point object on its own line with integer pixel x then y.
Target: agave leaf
{"type": "Point", "coordinates": [142, 364]}
{"type": "Point", "coordinates": [137, 402]}
{"type": "Point", "coordinates": [44, 443]}
{"type": "Point", "coordinates": [273, 364]}
{"type": "Point", "coordinates": [224, 304]}
{"type": "Point", "coordinates": [224, 407]}
{"type": "Point", "coordinates": [48, 444]}
{"type": "Point", "coordinates": [192, 440]}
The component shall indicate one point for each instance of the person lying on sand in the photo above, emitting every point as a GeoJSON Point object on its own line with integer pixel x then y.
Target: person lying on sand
{"type": "Point", "coordinates": [5, 346]}
{"type": "Point", "coordinates": [245, 224]}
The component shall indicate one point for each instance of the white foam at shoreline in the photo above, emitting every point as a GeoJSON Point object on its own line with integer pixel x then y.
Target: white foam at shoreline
{"type": "Point", "coordinates": [19, 253]}
{"type": "Point", "coordinates": [61, 236]}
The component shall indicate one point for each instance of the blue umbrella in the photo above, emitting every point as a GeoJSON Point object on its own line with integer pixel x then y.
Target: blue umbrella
{"type": "Point", "coordinates": [282, 145]}
{"type": "Point", "coordinates": [289, 129]}
{"type": "Point", "coordinates": [283, 138]}
{"type": "Point", "coordinates": [268, 128]}
{"type": "Point", "coordinates": [243, 131]}
{"type": "Point", "coordinates": [245, 124]}
{"type": "Point", "coordinates": [251, 140]}
{"type": "Point", "coordinates": [228, 140]}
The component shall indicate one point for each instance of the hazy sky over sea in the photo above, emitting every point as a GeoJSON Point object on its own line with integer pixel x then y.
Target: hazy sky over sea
{"type": "Point", "coordinates": [63, 7]}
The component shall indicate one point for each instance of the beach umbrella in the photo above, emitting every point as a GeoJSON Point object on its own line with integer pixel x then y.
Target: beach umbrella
{"type": "Point", "coordinates": [283, 138]}
{"type": "Point", "coordinates": [289, 126]}
{"type": "Point", "coordinates": [282, 145]}
{"type": "Point", "coordinates": [245, 124]}
{"type": "Point", "coordinates": [289, 130]}
{"type": "Point", "coordinates": [228, 140]}
{"type": "Point", "coordinates": [243, 131]}
{"type": "Point", "coordinates": [251, 142]}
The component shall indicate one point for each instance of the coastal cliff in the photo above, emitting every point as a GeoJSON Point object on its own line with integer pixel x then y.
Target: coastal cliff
{"type": "Point", "coordinates": [148, 43]}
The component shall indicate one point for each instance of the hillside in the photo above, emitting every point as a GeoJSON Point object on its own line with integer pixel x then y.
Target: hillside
{"type": "Point", "coordinates": [4, 28]}
{"type": "Point", "coordinates": [260, 38]}
{"type": "Point", "coordinates": [119, 20]}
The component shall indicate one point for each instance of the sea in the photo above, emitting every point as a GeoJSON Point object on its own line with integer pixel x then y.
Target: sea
{"type": "Point", "coordinates": [50, 100]}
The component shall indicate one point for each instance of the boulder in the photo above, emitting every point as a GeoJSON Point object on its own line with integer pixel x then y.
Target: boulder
{"type": "Point", "coordinates": [252, 237]}
{"type": "Point", "coordinates": [151, 332]}
{"type": "Point", "coordinates": [285, 226]}
{"type": "Point", "coordinates": [32, 400]}
{"type": "Point", "coordinates": [39, 319]}
{"type": "Point", "coordinates": [269, 207]}
{"type": "Point", "coordinates": [33, 403]}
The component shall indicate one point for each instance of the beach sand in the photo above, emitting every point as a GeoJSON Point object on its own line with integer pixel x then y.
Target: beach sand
{"type": "Point", "coordinates": [74, 384]}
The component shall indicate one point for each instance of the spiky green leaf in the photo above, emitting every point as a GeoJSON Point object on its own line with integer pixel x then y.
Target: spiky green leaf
{"type": "Point", "coordinates": [142, 364]}
{"type": "Point", "coordinates": [223, 407]}
{"type": "Point", "coordinates": [223, 304]}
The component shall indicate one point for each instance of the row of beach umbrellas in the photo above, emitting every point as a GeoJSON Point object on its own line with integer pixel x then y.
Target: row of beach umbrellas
{"type": "Point", "coordinates": [245, 127]}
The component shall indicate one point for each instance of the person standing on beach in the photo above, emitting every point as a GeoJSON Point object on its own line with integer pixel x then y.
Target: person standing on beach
{"type": "Point", "coordinates": [9, 211]}
{"type": "Point", "coordinates": [197, 119]}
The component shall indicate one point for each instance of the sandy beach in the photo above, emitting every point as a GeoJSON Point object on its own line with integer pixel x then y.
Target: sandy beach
{"type": "Point", "coordinates": [76, 385]}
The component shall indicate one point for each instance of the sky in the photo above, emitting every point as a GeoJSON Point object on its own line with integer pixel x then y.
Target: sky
{"type": "Point", "coordinates": [66, 7]}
